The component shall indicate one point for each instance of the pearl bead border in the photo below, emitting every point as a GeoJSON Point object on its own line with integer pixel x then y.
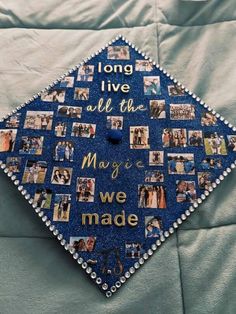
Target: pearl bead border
{"type": "Point", "coordinates": [109, 291]}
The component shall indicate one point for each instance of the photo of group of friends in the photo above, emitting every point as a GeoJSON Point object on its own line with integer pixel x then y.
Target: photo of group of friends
{"type": "Point", "coordinates": [13, 121]}
{"type": "Point", "coordinates": [115, 122]}
{"type": "Point", "coordinates": [13, 164]}
{"type": "Point", "coordinates": [151, 85]}
{"type": "Point", "coordinates": [154, 176]}
{"type": "Point", "coordinates": [232, 142]}
{"type": "Point", "coordinates": [156, 158]}
{"type": "Point", "coordinates": [85, 73]}
{"type": "Point", "coordinates": [211, 163]}
{"type": "Point", "coordinates": [83, 130]}
{"type": "Point", "coordinates": [43, 198]}
{"type": "Point", "coordinates": [139, 137]}
{"type": "Point", "coordinates": [143, 65]}
{"type": "Point", "coordinates": [181, 163]}
{"type": "Point", "coordinates": [85, 189]}
{"type": "Point", "coordinates": [7, 140]}
{"type": "Point", "coordinates": [60, 129]}
{"type": "Point", "coordinates": [118, 53]}
{"type": "Point", "coordinates": [157, 109]}
{"type": "Point", "coordinates": [81, 93]}
{"type": "Point", "coordinates": [214, 144]}
{"type": "Point", "coordinates": [174, 138]}
{"type": "Point", "coordinates": [182, 112]}
{"type": "Point", "coordinates": [57, 95]}
{"type": "Point", "coordinates": [205, 180]}
{"type": "Point", "coordinates": [69, 112]}
{"type": "Point", "coordinates": [61, 210]}
{"type": "Point", "coordinates": [151, 196]}
{"type": "Point", "coordinates": [153, 227]}
{"type": "Point", "coordinates": [83, 244]}
{"type": "Point", "coordinates": [35, 172]}
{"type": "Point", "coordinates": [185, 191]}
{"type": "Point", "coordinates": [133, 250]}
{"type": "Point", "coordinates": [32, 145]}
{"type": "Point", "coordinates": [175, 90]}
{"type": "Point", "coordinates": [61, 175]}
{"type": "Point", "coordinates": [38, 120]}
{"type": "Point", "coordinates": [64, 151]}
{"type": "Point", "coordinates": [195, 138]}
{"type": "Point", "coordinates": [208, 119]}
{"type": "Point", "coordinates": [67, 81]}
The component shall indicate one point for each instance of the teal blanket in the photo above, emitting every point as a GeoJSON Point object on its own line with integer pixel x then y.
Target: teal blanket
{"type": "Point", "coordinates": [194, 272]}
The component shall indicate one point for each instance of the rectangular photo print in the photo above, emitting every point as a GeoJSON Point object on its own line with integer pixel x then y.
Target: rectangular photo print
{"type": "Point", "coordinates": [87, 130]}
{"type": "Point", "coordinates": [13, 121]}
{"type": "Point", "coordinates": [195, 138]}
{"type": "Point", "coordinates": [43, 198]}
{"type": "Point", "coordinates": [154, 176]}
{"type": "Point", "coordinates": [153, 227]}
{"type": "Point", "coordinates": [31, 145]}
{"type": "Point", "coordinates": [13, 164]}
{"type": "Point", "coordinates": [211, 163]}
{"type": "Point", "coordinates": [64, 151]}
{"type": "Point", "coordinates": [83, 244]}
{"type": "Point", "coordinates": [205, 180]}
{"type": "Point", "coordinates": [7, 140]}
{"type": "Point", "coordinates": [61, 175]}
{"type": "Point", "coordinates": [35, 172]}
{"type": "Point", "coordinates": [156, 158]}
{"type": "Point", "coordinates": [232, 142]}
{"type": "Point", "coordinates": [85, 189]}
{"type": "Point", "coordinates": [157, 109]}
{"type": "Point", "coordinates": [182, 112]}
{"type": "Point", "coordinates": [214, 144]}
{"type": "Point", "coordinates": [174, 137]}
{"type": "Point", "coordinates": [181, 163]}
{"type": "Point", "coordinates": [208, 119]}
{"type": "Point", "coordinates": [118, 53]}
{"type": "Point", "coordinates": [151, 85]}
{"type": "Point", "coordinates": [67, 82]}
{"type": "Point", "coordinates": [151, 196]}
{"type": "Point", "coordinates": [60, 129]}
{"type": "Point", "coordinates": [139, 137]}
{"type": "Point", "coordinates": [133, 250]}
{"type": "Point", "coordinates": [61, 208]}
{"type": "Point", "coordinates": [85, 73]}
{"type": "Point", "coordinates": [185, 191]}
{"type": "Point", "coordinates": [69, 112]}
{"type": "Point", "coordinates": [143, 65]}
{"type": "Point", "coordinates": [81, 93]}
{"type": "Point", "coordinates": [57, 95]}
{"type": "Point", "coordinates": [115, 122]}
{"type": "Point", "coordinates": [38, 120]}
{"type": "Point", "coordinates": [175, 90]}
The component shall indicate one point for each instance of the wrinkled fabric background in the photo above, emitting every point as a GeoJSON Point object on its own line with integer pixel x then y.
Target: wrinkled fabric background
{"type": "Point", "coordinates": [194, 272]}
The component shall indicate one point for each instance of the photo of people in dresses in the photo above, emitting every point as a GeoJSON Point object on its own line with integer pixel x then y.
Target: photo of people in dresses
{"type": "Point", "coordinates": [211, 163]}
{"type": "Point", "coordinates": [68, 82]}
{"type": "Point", "coordinates": [205, 180]}
{"type": "Point", "coordinates": [43, 198]}
{"type": "Point", "coordinates": [175, 90]}
{"type": "Point", "coordinates": [13, 164]}
{"type": "Point", "coordinates": [139, 137]}
{"type": "Point", "coordinates": [32, 145]}
{"type": "Point", "coordinates": [151, 196]}
{"type": "Point", "coordinates": [69, 112]}
{"type": "Point", "coordinates": [214, 144]}
{"type": "Point", "coordinates": [60, 129]}
{"type": "Point", "coordinates": [151, 85]}
{"type": "Point", "coordinates": [143, 65]}
{"type": "Point", "coordinates": [64, 151]}
{"type": "Point", "coordinates": [115, 122]}
{"type": "Point", "coordinates": [153, 227]}
{"type": "Point", "coordinates": [181, 163]}
{"type": "Point", "coordinates": [232, 142]}
{"type": "Point", "coordinates": [35, 172]}
{"type": "Point", "coordinates": [208, 119]}
{"type": "Point", "coordinates": [156, 158]}
{"type": "Point", "coordinates": [85, 189]}
{"type": "Point", "coordinates": [61, 175]}
{"type": "Point", "coordinates": [13, 121]}
{"type": "Point", "coordinates": [38, 120]}
{"type": "Point", "coordinates": [83, 244]}
{"type": "Point", "coordinates": [118, 53]}
{"type": "Point", "coordinates": [195, 138]}
{"type": "Point", "coordinates": [57, 95]}
{"type": "Point", "coordinates": [174, 138]}
{"type": "Point", "coordinates": [61, 210]}
{"type": "Point", "coordinates": [81, 93]}
{"type": "Point", "coordinates": [83, 130]}
{"type": "Point", "coordinates": [185, 191]}
{"type": "Point", "coordinates": [133, 250]}
{"type": "Point", "coordinates": [157, 109]}
{"type": "Point", "coordinates": [182, 112]}
{"type": "Point", "coordinates": [7, 140]}
{"type": "Point", "coordinates": [154, 176]}
{"type": "Point", "coordinates": [85, 73]}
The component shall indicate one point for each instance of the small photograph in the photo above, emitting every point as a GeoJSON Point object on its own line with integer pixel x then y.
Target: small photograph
{"type": "Point", "coordinates": [83, 244]}
{"type": "Point", "coordinates": [61, 210]}
{"type": "Point", "coordinates": [13, 164]}
{"type": "Point", "coordinates": [32, 145]}
{"type": "Point", "coordinates": [13, 121]}
{"type": "Point", "coordinates": [232, 142]}
{"type": "Point", "coordinates": [60, 129]}
{"type": "Point", "coordinates": [38, 120]}
{"type": "Point", "coordinates": [181, 163]}
{"type": "Point", "coordinates": [211, 163]}
{"type": "Point", "coordinates": [208, 119]}
{"type": "Point", "coordinates": [85, 73]}
{"type": "Point", "coordinates": [61, 175]}
{"type": "Point", "coordinates": [57, 95]}
{"type": "Point", "coordinates": [64, 151]}
{"type": "Point", "coordinates": [195, 138]}
{"type": "Point", "coordinates": [151, 85]}
{"type": "Point", "coordinates": [157, 109]}
{"type": "Point", "coordinates": [205, 180]}
{"type": "Point", "coordinates": [154, 176]}
{"type": "Point", "coordinates": [35, 172]}
{"type": "Point", "coordinates": [174, 138]}
{"type": "Point", "coordinates": [68, 82]}
{"type": "Point", "coordinates": [139, 137]}
{"type": "Point", "coordinates": [43, 198]}
{"type": "Point", "coordinates": [156, 158]}
{"type": "Point", "coordinates": [83, 130]}
{"type": "Point", "coordinates": [81, 93]}
{"type": "Point", "coordinates": [85, 189]}
{"type": "Point", "coordinates": [182, 112]}
{"type": "Point", "coordinates": [175, 90]}
{"type": "Point", "coordinates": [69, 112]}
{"type": "Point", "coordinates": [133, 250]}
{"type": "Point", "coordinates": [143, 65]}
{"type": "Point", "coordinates": [7, 140]}
{"type": "Point", "coordinates": [214, 144]}
{"type": "Point", "coordinates": [115, 122]}
{"type": "Point", "coordinates": [185, 191]}
{"type": "Point", "coordinates": [151, 196]}
{"type": "Point", "coordinates": [153, 227]}
{"type": "Point", "coordinates": [118, 53]}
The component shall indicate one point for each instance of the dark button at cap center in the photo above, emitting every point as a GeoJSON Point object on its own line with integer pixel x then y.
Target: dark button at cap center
{"type": "Point", "coordinates": [114, 136]}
